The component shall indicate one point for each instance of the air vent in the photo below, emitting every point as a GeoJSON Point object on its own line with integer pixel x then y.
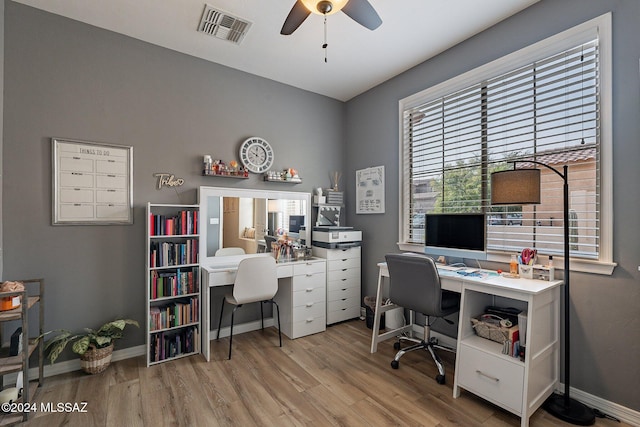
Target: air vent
{"type": "Point", "coordinates": [221, 25]}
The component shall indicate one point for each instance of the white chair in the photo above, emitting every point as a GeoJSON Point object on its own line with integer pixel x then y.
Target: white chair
{"type": "Point", "coordinates": [256, 281]}
{"type": "Point", "coordinates": [229, 251]}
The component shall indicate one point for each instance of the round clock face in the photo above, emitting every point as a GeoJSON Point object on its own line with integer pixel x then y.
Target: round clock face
{"type": "Point", "coordinates": [256, 155]}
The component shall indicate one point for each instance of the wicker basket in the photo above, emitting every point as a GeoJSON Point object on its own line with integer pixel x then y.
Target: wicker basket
{"type": "Point", "coordinates": [96, 360]}
{"type": "Point", "coordinates": [488, 326]}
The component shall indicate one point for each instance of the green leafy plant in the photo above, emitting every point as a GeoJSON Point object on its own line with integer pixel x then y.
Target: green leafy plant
{"type": "Point", "coordinates": [82, 342]}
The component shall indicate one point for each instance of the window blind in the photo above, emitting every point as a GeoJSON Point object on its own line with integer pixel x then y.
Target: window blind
{"type": "Point", "coordinates": [547, 111]}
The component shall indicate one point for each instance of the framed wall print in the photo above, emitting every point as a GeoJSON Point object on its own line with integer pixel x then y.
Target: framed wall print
{"type": "Point", "coordinates": [92, 183]}
{"type": "Point", "coordinates": [370, 190]}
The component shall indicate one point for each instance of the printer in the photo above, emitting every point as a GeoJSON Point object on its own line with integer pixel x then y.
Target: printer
{"type": "Point", "coordinates": [336, 237]}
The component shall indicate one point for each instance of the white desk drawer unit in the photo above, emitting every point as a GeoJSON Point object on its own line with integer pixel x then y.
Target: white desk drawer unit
{"type": "Point", "coordinates": [302, 299]}
{"type": "Point", "coordinates": [343, 282]}
{"type": "Point", "coordinates": [492, 377]}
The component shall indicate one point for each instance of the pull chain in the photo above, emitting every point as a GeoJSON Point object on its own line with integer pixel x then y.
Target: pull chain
{"type": "Point", "coordinates": [324, 45]}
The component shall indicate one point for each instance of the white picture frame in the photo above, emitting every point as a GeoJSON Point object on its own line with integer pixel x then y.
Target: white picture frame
{"type": "Point", "coordinates": [92, 183]}
{"type": "Point", "coordinates": [370, 190]}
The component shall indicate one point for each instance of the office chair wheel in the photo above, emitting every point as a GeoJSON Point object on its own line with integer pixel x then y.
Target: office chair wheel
{"type": "Point", "coordinates": [440, 379]}
{"type": "Point", "coordinates": [395, 364]}
{"type": "Point", "coordinates": [396, 345]}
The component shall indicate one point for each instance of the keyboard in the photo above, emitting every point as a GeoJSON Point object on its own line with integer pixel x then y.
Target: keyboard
{"type": "Point", "coordinates": [450, 267]}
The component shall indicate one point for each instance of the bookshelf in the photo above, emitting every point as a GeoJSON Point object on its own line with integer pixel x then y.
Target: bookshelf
{"type": "Point", "coordinates": [172, 282]}
{"type": "Point", "coordinates": [15, 360]}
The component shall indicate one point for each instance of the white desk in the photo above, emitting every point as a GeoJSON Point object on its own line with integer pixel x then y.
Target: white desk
{"type": "Point", "coordinates": [517, 386]}
{"type": "Point", "coordinates": [301, 295]}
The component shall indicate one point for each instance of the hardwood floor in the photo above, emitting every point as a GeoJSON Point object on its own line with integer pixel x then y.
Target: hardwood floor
{"type": "Point", "coordinates": [327, 379]}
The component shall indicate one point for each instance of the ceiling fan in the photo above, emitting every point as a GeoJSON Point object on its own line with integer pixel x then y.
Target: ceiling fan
{"type": "Point", "coordinates": [360, 11]}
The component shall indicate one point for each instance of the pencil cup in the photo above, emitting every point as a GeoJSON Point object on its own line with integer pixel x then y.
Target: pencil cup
{"type": "Point", "coordinates": [526, 271]}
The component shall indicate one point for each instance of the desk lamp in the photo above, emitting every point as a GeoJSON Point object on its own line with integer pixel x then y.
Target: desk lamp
{"type": "Point", "coordinates": [521, 187]}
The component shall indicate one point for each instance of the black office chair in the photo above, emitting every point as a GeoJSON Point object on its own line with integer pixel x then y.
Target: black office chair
{"type": "Point", "coordinates": [415, 285]}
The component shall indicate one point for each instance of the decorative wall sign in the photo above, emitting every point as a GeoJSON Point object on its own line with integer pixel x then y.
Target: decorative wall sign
{"type": "Point", "coordinates": [168, 180]}
{"type": "Point", "coordinates": [370, 190]}
{"type": "Point", "coordinates": [92, 183]}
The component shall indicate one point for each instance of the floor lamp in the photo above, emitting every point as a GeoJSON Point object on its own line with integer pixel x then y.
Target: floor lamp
{"type": "Point", "coordinates": [522, 187]}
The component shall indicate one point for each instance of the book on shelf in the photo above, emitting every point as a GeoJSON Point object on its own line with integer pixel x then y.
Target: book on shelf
{"type": "Point", "coordinates": [166, 254]}
{"type": "Point", "coordinates": [522, 323]}
{"type": "Point", "coordinates": [182, 281]}
{"type": "Point", "coordinates": [169, 344]}
{"type": "Point", "coordinates": [185, 222]}
{"type": "Point", "coordinates": [511, 346]}
{"type": "Point", "coordinates": [174, 314]}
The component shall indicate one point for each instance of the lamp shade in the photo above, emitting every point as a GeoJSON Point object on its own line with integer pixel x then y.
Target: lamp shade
{"type": "Point", "coordinates": [515, 187]}
{"type": "Point", "coordinates": [334, 6]}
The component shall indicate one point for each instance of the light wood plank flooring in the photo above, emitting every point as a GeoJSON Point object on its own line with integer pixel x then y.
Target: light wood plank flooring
{"type": "Point", "coordinates": [327, 379]}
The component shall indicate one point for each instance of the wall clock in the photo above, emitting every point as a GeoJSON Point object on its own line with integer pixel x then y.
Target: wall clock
{"type": "Point", "coordinates": [256, 155]}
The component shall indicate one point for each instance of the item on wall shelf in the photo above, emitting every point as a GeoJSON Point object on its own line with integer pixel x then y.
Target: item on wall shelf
{"type": "Point", "coordinates": [286, 175]}
{"type": "Point", "coordinates": [207, 165]}
{"type": "Point", "coordinates": [220, 168]}
{"type": "Point", "coordinates": [256, 155]}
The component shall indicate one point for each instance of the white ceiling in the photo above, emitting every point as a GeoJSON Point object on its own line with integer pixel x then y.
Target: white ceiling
{"type": "Point", "coordinates": [358, 59]}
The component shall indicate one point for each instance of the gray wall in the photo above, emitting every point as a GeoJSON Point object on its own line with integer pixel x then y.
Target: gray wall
{"type": "Point", "coordinates": [605, 310]}
{"type": "Point", "coordinates": [71, 80]}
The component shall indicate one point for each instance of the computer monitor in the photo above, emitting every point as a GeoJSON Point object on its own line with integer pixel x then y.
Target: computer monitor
{"type": "Point", "coordinates": [456, 235]}
{"type": "Point", "coordinates": [295, 222]}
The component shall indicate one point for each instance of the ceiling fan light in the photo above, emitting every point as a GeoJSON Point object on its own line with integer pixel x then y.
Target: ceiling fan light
{"type": "Point", "coordinates": [336, 6]}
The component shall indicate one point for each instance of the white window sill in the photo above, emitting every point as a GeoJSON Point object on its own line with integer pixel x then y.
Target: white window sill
{"type": "Point", "coordinates": [581, 265]}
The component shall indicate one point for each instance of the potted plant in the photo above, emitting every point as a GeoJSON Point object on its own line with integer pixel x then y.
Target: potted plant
{"type": "Point", "coordinates": [95, 346]}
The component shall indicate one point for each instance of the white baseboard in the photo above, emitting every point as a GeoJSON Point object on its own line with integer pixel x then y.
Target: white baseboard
{"type": "Point", "coordinates": [621, 412]}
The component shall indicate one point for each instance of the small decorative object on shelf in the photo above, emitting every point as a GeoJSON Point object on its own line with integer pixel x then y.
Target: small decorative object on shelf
{"type": "Point", "coordinates": [335, 180]}
{"type": "Point", "coordinates": [286, 175]}
{"type": "Point", "coordinates": [220, 168]}
{"type": "Point", "coordinates": [318, 198]}
{"type": "Point", "coordinates": [334, 197]}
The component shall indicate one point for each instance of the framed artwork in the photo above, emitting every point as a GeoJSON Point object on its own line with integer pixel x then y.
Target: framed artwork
{"type": "Point", "coordinates": [370, 190]}
{"type": "Point", "coordinates": [92, 183]}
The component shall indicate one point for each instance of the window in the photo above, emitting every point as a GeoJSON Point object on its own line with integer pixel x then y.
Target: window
{"type": "Point", "coordinates": [548, 103]}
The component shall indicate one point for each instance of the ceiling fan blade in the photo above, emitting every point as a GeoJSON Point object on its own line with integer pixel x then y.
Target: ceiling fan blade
{"type": "Point", "coordinates": [296, 17]}
{"type": "Point", "coordinates": [363, 13]}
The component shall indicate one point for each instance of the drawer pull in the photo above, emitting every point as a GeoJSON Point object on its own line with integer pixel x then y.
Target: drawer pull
{"type": "Point", "coordinates": [309, 289]}
{"type": "Point", "coordinates": [344, 280]}
{"type": "Point", "coordinates": [309, 304]}
{"type": "Point", "coordinates": [344, 260]}
{"type": "Point", "coordinates": [310, 320]}
{"type": "Point", "coordinates": [344, 269]}
{"type": "Point", "coordinates": [309, 275]}
{"type": "Point", "coordinates": [488, 376]}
